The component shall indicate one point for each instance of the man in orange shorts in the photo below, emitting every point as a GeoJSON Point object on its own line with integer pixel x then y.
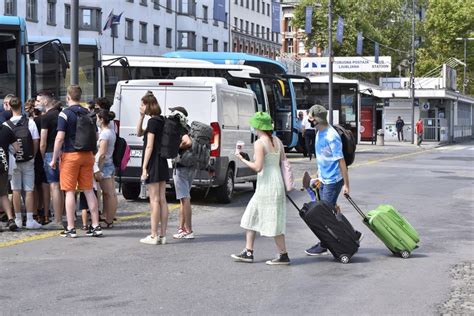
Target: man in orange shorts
{"type": "Point", "coordinates": [75, 138]}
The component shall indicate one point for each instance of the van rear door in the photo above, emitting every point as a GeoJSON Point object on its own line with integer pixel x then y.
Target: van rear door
{"type": "Point", "coordinates": [196, 100]}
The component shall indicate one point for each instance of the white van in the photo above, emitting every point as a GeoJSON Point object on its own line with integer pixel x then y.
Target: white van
{"type": "Point", "coordinates": [227, 109]}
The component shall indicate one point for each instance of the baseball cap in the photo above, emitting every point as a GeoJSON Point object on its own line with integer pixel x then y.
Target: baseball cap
{"type": "Point", "coordinates": [319, 113]}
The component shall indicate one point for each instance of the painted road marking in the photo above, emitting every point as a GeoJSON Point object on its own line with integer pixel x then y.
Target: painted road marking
{"type": "Point", "coordinates": [10, 243]}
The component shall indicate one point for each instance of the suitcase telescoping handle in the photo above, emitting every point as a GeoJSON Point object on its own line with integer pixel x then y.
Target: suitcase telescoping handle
{"type": "Point", "coordinates": [293, 202]}
{"type": "Point", "coordinates": [348, 197]}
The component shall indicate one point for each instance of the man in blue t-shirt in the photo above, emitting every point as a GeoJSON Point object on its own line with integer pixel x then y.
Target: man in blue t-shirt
{"type": "Point", "coordinates": [332, 169]}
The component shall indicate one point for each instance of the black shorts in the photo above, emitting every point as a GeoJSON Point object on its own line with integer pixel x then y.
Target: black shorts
{"type": "Point", "coordinates": [4, 184]}
{"type": "Point", "coordinates": [83, 201]}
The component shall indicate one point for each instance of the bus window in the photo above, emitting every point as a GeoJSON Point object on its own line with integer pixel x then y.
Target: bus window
{"type": "Point", "coordinates": [8, 64]}
{"type": "Point", "coordinates": [256, 87]}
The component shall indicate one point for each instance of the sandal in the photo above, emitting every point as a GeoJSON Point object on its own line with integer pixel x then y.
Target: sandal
{"type": "Point", "coordinates": [108, 225]}
{"type": "Point", "coordinates": [85, 227]}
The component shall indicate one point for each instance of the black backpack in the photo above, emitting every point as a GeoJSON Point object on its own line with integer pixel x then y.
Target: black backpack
{"type": "Point", "coordinates": [24, 139]}
{"type": "Point", "coordinates": [348, 144]}
{"type": "Point", "coordinates": [86, 132]}
{"type": "Point", "coordinates": [171, 139]}
{"type": "Point", "coordinates": [198, 155]}
{"type": "Point", "coordinates": [3, 158]}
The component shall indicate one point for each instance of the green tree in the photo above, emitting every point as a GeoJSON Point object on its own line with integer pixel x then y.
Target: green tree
{"type": "Point", "coordinates": [444, 22]}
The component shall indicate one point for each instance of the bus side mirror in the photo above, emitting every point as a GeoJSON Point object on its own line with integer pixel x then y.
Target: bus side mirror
{"type": "Point", "coordinates": [63, 59]}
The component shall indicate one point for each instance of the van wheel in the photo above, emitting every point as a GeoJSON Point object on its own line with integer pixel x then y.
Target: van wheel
{"type": "Point", "coordinates": [225, 192]}
{"type": "Point", "coordinates": [131, 191]}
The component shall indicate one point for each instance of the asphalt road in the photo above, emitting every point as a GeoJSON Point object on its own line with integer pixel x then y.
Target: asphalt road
{"type": "Point", "coordinates": [432, 187]}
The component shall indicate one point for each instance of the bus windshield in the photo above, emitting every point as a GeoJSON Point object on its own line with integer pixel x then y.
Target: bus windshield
{"type": "Point", "coordinates": [8, 64]}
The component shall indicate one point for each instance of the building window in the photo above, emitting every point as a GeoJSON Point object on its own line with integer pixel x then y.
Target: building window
{"type": "Point", "coordinates": [226, 46]}
{"type": "Point", "coordinates": [168, 37]}
{"type": "Point", "coordinates": [268, 33]}
{"type": "Point", "coordinates": [67, 16]}
{"type": "Point", "coordinates": [215, 45]}
{"type": "Point", "coordinates": [169, 6]}
{"type": "Point", "coordinates": [32, 10]}
{"type": "Point", "coordinates": [114, 30]}
{"type": "Point", "coordinates": [143, 3]}
{"type": "Point", "coordinates": [241, 3]}
{"type": "Point", "coordinates": [241, 25]}
{"type": "Point", "coordinates": [263, 8]}
{"type": "Point", "coordinates": [204, 13]}
{"type": "Point", "coordinates": [187, 40]}
{"type": "Point", "coordinates": [142, 32]}
{"type": "Point", "coordinates": [205, 44]}
{"type": "Point", "coordinates": [131, 1]}
{"type": "Point", "coordinates": [258, 5]}
{"type": "Point", "coordinates": [268, 9]}
{"type": "Point", "coordinates": [225, 22]}
{"type": "Point", "coordinates": [247, 27]}
{"type": "Point", "coordinates": [263, 31]}
{"type": "Point", "coordinates": [247, 4]}
{"type": "Point", "coordinates": [236, 1]}
{"type": "Point", "coordinates": [10, 7]}
{"type": "Point", "coordinates": [90, 19]}
{"type": "Point", "coordinates": [51, 14]}
{"type": "Point", "coordinates": [257, 30]}
{"type": "Point", "coordinates": [156, 35]}
{"type": "Point", "coordinates": [187, 7]}
{"type": "Point", "coordinates": [253, 5]}
{"type": "Point", "coordinates": [252, 28]}
{"type": "Point", "coordinates": [129, 29]}
{"type": "Point", "coordinates": [156, 4]}
{"type": "Point", "coordinates": [236, 23]}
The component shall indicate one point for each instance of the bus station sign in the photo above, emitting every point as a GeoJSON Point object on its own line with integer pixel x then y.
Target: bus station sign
{"type": "Point", "coordinates": [347, 64]}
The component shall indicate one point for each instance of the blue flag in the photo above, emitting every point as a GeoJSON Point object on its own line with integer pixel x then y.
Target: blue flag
{"type": "Point", "coordinates": [376, 53]}
{"type": "Point", "coordinates": [219, 10]}
{"type": "Point", "coordinates": [359, 43]}
{"type": "Point", "coordinates": [309, 18]}
{"type": "Point", "coordinates": [340, 30]}
{"type": "Point", "coordinates": [276, 17]}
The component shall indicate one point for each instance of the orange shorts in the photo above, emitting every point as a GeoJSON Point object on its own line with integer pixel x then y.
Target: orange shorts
{"type": "Point", "coordinates": [76, 171]}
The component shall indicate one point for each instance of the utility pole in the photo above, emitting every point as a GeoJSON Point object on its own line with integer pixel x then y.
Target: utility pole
{"type": "Point", "coordinates": [330, 61]}
{"type": "Point", "coordinates": [74, 42]}
{"type": "Point", "coordinates": [412, 74]}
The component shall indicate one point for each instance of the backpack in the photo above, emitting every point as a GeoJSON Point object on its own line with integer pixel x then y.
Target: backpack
{"type": "Point", "coordinates": [3, 161]}
{"type": "Point", "coordinates": [198, 155]}
{"type": "Point", "coordinates": [348, 144]}
{"type": "Point", "coordinates": [86, 132]}
{"type": "Point", "coordinates": [121, 154]}
{"type": "Point", "coordinates": [24, 139]}
{"type": "Point", "coordinates": [171, 139]}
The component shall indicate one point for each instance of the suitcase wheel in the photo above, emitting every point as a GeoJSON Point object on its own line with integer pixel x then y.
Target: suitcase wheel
{"type": "Point", "coordinates": [404, 254]}
{"type": "Point", "coordinates": [344, 259]}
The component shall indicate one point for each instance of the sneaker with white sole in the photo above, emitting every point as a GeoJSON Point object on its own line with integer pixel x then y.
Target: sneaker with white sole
{"type": "Point", "coordinates": [53, 226]}
{"type": "Point", "coordinates": [189, 235]}
{"type": "Point", "coordinates": [184, 235]}
{"type": "Point", "coordinates": [162, 240]}
{"type": "Point", "coordinates": [33, 224]}
{"type": "Point", "coordinates": [94, 231]}
{"type": "Point", "coordinates": [70, 233]}
{"type": "Point", "coordinates": [19, 223]}
{"type": "Point", "coordinates": [245, 256]}
{"type": "Point", "coordinates": [282, 259]}
{"type": "Point", "coordinates": [150, 240]}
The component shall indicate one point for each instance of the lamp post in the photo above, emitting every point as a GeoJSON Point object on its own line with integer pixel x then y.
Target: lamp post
{"type": "Point", "coordinates": [412, 74]}
{"type": "Point", "coordinates": [464, 81]}
{"type": "Point", "coordinates": [75, 42]}
{"type": "Point", "coordinates": [330, 109]}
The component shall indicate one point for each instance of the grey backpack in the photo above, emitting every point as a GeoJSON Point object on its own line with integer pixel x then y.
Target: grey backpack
{"type": "Point", "coordinates": [198, 155]}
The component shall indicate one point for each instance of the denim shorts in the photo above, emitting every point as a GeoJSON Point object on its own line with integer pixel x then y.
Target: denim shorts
{"type": "Point", "coordinates": [52, 175]}
{"type": "Point", "coordinates": [108, 170]}
{"type": "Point", "coordinates": [23, 177]}
{"type": "Point", "coordinates": [183, 180]}
{"type": "Point", "coordinates": [330, 192]}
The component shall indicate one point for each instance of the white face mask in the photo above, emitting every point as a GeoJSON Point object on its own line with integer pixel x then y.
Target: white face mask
{"type": "Point", "coordinates": [40, 107]}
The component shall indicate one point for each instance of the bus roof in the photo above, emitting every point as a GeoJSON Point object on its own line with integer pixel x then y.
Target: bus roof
{"type": "Point", "coordinates": [266, 65]}
{"type": "Point", "coordinates": [13, 21]}
{"type": "Point", "coordinates": [150, 61]}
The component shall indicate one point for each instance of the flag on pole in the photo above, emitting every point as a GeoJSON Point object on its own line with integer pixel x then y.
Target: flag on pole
{"type": "Point", "coordinates": [376, 53]}
{"type": "Point", "coordinates": [359, 43]}
{"type": "Point", "coordinates": [276, 17]}
{"type": "Point", "coordinates": [308, 20]}
{"type": "Point", "coordinates": [340, 29]}
{"type": "Point", "coordinates": [219, 10]}
{"type": "Point", "coordinates": [112, 19]}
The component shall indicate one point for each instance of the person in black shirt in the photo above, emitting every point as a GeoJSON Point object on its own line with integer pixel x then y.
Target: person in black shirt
{"type": "Point", "coordinates": [7, 138]}
{"type": "Point", "coordinates": [155, 171]}
{"type": "Point", "coordinates": [49, 124]}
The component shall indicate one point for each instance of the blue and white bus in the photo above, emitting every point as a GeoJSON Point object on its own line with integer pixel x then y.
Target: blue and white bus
{"type": "Point", "coordinates": [279, 88]}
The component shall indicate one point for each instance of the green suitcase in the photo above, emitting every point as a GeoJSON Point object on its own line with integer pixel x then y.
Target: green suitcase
{"type": "Point", "coordinates": [391, 228]}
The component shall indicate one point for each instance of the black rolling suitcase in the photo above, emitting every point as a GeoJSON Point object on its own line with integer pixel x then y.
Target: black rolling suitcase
{"type": "Point", "coordinates": [332, 228]}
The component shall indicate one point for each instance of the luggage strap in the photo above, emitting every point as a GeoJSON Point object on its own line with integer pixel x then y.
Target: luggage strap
{"type": "Point", "coordinates": [348, 197]}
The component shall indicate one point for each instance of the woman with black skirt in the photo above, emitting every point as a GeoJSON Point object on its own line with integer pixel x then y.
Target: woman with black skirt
{"type": "Point", "coordinates": [155, 171]}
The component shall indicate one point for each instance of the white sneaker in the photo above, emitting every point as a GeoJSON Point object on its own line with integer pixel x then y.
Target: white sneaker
{"type": "Point", "coordinates": [53, 226]}
{"type": "Point", "coordinates": [33, 225]}
{"type": "Point", "coordinates": [150, 240]}
{"type": "Point", "coordinates": [162, 240]}
{"type": "Point", "coordinates": [189, 235]}
{"type": "Point", "coordinates": [19, 223]}
{"type": "Point", "coordinates": [184, 235]}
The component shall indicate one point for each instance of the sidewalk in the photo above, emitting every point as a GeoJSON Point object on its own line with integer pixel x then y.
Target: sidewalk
{"type": "Point", "coordinates": [395, 145]}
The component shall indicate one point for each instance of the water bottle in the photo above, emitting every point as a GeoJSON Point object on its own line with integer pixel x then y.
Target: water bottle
{"type": "Point", "coordinates": [143, 190]}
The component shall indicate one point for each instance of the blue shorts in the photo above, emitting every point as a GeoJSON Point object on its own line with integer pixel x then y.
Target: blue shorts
{"type": "Point", "coordinates": [52, 175]}
{"type": "Point", "coordinates": [330, 192]}
{"type": "Point", "coordinates": [108, 170]}
{"type": "Point", "coordinates": [183, 180]}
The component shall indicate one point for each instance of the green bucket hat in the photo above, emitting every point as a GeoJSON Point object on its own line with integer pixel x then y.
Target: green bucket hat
{"type": "Point", "coordinates": [261, 121]}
